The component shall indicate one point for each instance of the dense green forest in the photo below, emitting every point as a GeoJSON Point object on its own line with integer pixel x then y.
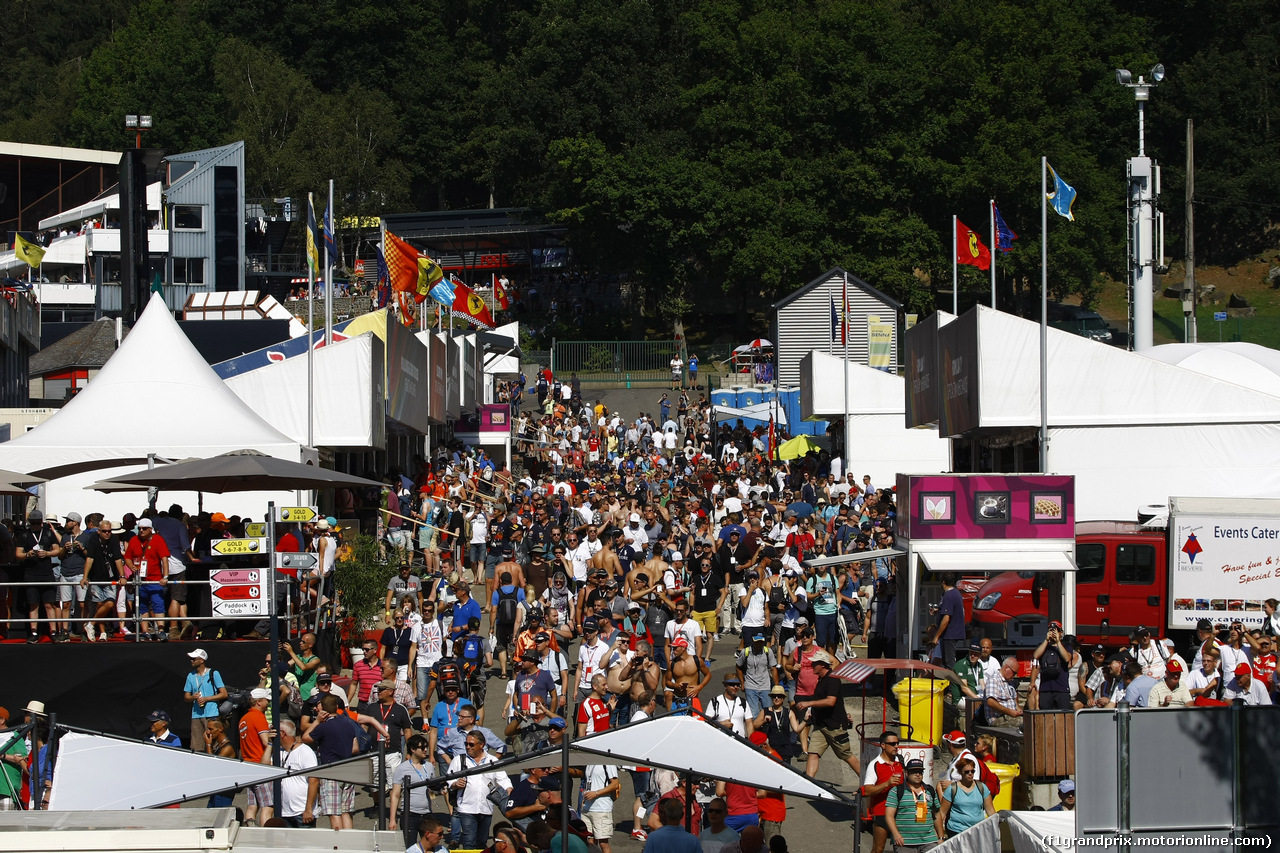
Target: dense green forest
{"type": "Point", "coordinates": [698, 145]}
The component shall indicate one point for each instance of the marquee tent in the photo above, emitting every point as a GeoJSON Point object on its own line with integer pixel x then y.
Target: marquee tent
{"type": "Point", "coordinates": [155, 395]}
{"type": "Point", "coordinates": [881, 445]}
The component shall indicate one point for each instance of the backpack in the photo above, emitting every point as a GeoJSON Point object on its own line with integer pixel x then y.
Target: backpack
{"type": "Point", "coordinates": [364, 738]}
{"type": "Point", "coordinates": [449, 672]}
{"type": "Point", "coordinates": [1050, 664]}
{"type": "Point", "coordinates": [472, 652]}
{"type": "Point", "coordinates": [508, 606]}
{"type": "Point", "coordinates": [989, 778]}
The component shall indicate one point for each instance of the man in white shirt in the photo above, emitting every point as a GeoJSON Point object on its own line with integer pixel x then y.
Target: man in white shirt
{"type": "Point", "coordinates": [474, 809]}
{"type": "Point", "coordinates": [591, 657]}
{"type": "Point", "coordinates": [633, 534]}
{"type": "Point", "coordinates": [729, 709]}
{"type": "Point", "coordinates": [297, 797]}
{"type": "Point", "coordinates": [1245, 686]}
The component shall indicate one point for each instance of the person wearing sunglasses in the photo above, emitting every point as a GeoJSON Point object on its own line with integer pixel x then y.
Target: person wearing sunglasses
{"type": "Point", "coordinates": [431, 835]}
{"type": "Point", "coordinates": [967, 802]}
{"type": "Point", "coordinates": [912, 811]}
{"type": "Point", "coordinates": [1066, 797]}
{"type": "Point", "coordinates": [717, 833]}
{"type": "Point", "coordinates": [885, 771]}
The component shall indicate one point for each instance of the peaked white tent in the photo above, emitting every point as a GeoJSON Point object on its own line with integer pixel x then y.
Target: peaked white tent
{"type": "Point", "coordinates": [879, 442]}
{"type": "Point", "coordinates": [1132, 429]}
{"type": "Point", "coordinates": [156, 394]}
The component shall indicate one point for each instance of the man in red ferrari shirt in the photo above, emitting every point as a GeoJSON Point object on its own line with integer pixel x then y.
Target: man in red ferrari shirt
{"type": "Point", "coordinates": [1264, 662]}
{"type": "Point", "coordinates": [593, 713]}
{"type": "Point", "coordinates": [883, 772]}
{"type": "Point", "coordinates": [148, 557]}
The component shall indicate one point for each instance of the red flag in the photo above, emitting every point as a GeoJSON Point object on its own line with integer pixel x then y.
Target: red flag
{"type": "Point", "coordinates": [773, 441]}
{"type": "Point", "coordinates": [970, 249]}
{"type": "Point", "coordinates": [500, 298]}
{"type": "Point", "coordinates": [409, 270]}
{"type": "Point", "coordinates": [467, 302]}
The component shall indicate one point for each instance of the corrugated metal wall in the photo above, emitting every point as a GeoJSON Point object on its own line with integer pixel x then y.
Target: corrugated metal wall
{"type": "Point", "coordinates": [805, 325]}
{"type": "Point", "coordinates": [197, 187]}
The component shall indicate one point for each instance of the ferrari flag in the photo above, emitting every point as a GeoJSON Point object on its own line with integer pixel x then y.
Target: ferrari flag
{"type": "Point", "coordinates": [971, 250]}
{"type": "Point", "coordinates": [467, 302]}
{"type": "Point", "coordinates": [29, 253]}
{"type": "Point", "coordinates": [410, 271]}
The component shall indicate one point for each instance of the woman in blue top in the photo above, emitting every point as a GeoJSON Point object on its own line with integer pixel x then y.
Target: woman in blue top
{"type": "Point", "coordinates": [967, 802]}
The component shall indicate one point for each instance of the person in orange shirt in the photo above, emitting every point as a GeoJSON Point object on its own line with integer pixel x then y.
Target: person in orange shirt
{"type": "Point", "coordinates": [255, 742]}
{"type": "Point", "coordinates": [772, 805]}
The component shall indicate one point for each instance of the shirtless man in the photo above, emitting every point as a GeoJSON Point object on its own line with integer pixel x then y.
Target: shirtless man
{"type": "Point", "coordinates": [516, 570]}
{"type": "Point", "coordinates": [605, 558]}
{"type": "Point", "coordinates": [686, 676]}
{"type": "Point", "coordinates": [635, 676]}
{"type": "Point", "coordinates": [594, 592]}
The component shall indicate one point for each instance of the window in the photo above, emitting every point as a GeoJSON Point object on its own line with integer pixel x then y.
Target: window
{"type": "Point", "coordinates": [1136, 564]}
{"type": "Point", "coordinates": [188, 270]}
{"type": "Point", "coordinates": [1091, 560]}
{"type": "Point", "coordinates": [188, 217]}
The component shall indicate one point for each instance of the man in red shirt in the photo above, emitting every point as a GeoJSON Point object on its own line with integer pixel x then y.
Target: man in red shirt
{"type": "Point", "coordinates": [771, 805]}
{"type": "Point", "coordinates": [1264, 662]}
{"type": "Point", "coordinates": [365, 673]}
{"type": "Point", "coordinates": [148, 557]}
{"type": "Point", "coordinates": [255, 742]}
{"type": "Point", "coordinates": [593, 713]}
{"type": "Point", "coordinates": [885, 771]}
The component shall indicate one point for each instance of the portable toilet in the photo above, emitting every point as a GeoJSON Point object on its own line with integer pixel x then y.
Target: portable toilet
{"type": "Point", "coordinates": [724, 397]}
{"type": "Point", "coordinates": [748, 397]}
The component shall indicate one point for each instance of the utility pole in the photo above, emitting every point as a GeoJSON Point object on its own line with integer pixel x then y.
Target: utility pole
{"type": "Point", "coordinates": [1189, 279]}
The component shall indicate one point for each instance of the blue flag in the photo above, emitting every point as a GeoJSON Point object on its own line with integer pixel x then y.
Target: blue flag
{"type": "Point", "coordinates": [442, 292]}
{"type": "Point", "coordinates": [835, 320]}
{"type": "Point", "coordinates": [1062, 197]}
{"type": "Point", "coordinates": [329, 245]}
{"type": "Point", "coordinates": [1004, 234]}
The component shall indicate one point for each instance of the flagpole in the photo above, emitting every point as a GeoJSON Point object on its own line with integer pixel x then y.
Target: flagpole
{"type": "Point", "coordinates": [328, 270]}
{"type": "Point", "coordinates": [311, 339]}
{"type": "Point", "coordinates": [955, 274]}
{"type": "Point", "coordinates": [1044, 315]}
{"type": "Point", "coordinates": [844, 335]}
{"type": "Point", "coordinates": [994, 248]}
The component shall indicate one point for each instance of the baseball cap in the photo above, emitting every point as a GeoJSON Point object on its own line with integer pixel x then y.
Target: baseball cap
{"type": "Point", "coordinates": [777, 690]}
{"type": "Point", "coordinates": [759, 738]}
{"type": "Point", "coordinates": [677, 557]}
{"type": "Point", "coordinates": [556, 722]}
{"type": "Point", "coordinates": [324, 678]}
{"type": "Point", "coordinates": [821, 657]}
{"type": "Point", "coordinates": [198, 653]}
{"type": "Point", "coordinates": [259, 693]}
{"type": "Point", "coordinates": [1204, 625]}
{"type": "Point", "coordinates": [975, 647]}
{"type": "Point", "coordinates": [803, 620]}
{"type": "Point", "coordinates": [385, 685]}
{"type": "Point", "coordinates": [915, 765]}
{"type": "Point", "coordinates": [757, 636]}
{"type": "Point", "coordinates": [679, 643]}
{"type": "Point", "coordinates": [542, 637]}
{"type": "Point", "coordinates": [158, 715]}
{"type": "Point", "coordinates": [1241, 669]}
{"type": "Point", "coordinates": [35, 515]}
{"type": "Point", "coordinates": [218, 518]}
{"type": "Point", "coordinates": [730, 678]}
{"type": "Point", "coordinates": [1066, 786]}
{"type": "Point", "coordinates": [1167, 643]}
{"type": "Point", "coordinates": [955, 736]}
{"type": "Point", "coordinates": [1055, 624]}
{"type": "Point", "coordinates": [144, 522]}
{"type": "Point", "coordinates": [1142, 629]}
{"type": "Point", "coordinates": [634, 518]}
{"type": "Point", "coordinates": [1175, 666]}
{"type": "Point", "coordinates": [591, 623]}
{"type": "Point", "coordinates": [74, 516]}
{"type": "Point", "coordinates": [635, 605]}
{"type": "Point", "coordinates": [1099, 650]}
{"type": "Point", "coordinates": [529, 655]}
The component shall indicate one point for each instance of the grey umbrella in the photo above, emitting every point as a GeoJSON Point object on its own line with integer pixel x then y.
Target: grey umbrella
{"type": "Point", "coordinates": [17, 479]}
{"type": "Point", "coordinates": [239, 471]}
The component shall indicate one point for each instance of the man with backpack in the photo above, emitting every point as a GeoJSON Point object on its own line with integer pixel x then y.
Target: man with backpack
{"type": "Point", "coordinates": [912, 811]}
{"type": "Point", "coordinates": [474, 656]}
{"type": "Point", "coordinates": [505, 609]}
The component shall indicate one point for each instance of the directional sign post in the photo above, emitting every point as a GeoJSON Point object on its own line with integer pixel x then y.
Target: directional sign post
{"type": "Point", "coordinates": [296, 514]}
{"type": "Point", "coordinates": [238, 592]}
{"type": "Point", "coordinates": [255, 530]}
{"type": "Point", "coordinates": [239, 547]}
{"type": "Point", "coordinates": [1220, 317]}
{"type": "Point", "coordinates": [295, 561]}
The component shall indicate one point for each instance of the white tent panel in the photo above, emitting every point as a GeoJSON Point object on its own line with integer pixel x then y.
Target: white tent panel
{"type": "Point", "coordinates": [156, 394]}
{"type": "Point", "coordinates": [983, 837]}
{"type": "Point", "coordinates": [1248, 365]}
{"type": "Point", "coordinates": [881, 446]}
{"type": "Point", "coordinates": [506, 363]}
{"type": "Point", "coordinates": [157, 775]}
{"type": "Point", "coordinates": [343, 389]}
{"type": "Point", "coordinates": [66, 250]}
{"type": "Point", "coordinates": [1092, 383]}
{"type": "Point", "coordinates": [870, 391]}
{"type": "Point", "coordinates": [1119, 469]}
{"type": "Point", "coordinates": [757, 412]}
{"type": "Point", "coordinates": [962, 562]}
{"type": "Point", "coordinates": [1031, 831]}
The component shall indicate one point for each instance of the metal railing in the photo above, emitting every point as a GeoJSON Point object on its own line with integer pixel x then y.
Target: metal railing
{"type": "Point", "coordinates": [615, 364]}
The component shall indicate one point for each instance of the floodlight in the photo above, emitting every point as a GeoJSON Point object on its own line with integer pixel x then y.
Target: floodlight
{"type": "Point", "coordinates": [131, 121]}
{"type": "Point", "coordinates": [144, 121]}
{"type": "Point", "coordinates": [1157, 72]}
{"type": "Point", "coordinates": [1123, 77]}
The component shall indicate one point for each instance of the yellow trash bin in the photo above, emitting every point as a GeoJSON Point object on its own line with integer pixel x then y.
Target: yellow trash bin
{"type": "Point", "coordinates": [920, 706]}
{"type": "Point", "coordinates": [1006, 773]}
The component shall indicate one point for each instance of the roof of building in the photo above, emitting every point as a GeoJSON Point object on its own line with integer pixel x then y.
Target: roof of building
{"type": "Point", "coordinates": [88, 347]}
{"type": "Point", "coordinates": [826, 277]}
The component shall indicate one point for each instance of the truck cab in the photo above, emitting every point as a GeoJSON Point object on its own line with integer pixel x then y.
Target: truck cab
{"type": "Point", "coordinates": [1121, 583]}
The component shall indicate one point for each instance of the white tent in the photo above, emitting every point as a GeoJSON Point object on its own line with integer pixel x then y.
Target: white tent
{"type": "Point", "coordinates": [683, 744]}
{"type": "Point", "coordinates": [879, 442]}
{"type": "Point", "coordinates": [757, 412]}
{"type": "Point", "coordinates": [1249, 365]}
{"type": "Point", "coordinates": [1032, 832]}
{"type": "Point", "coordinates": [1131, 428]}
{"type": "Point", "coordinates": [156, 395]}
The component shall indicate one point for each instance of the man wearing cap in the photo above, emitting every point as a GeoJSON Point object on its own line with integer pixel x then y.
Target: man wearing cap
{"type": "Point", "coordinates": [148, 557]}
{"type": "Point", "coordinates": [729, 710]}
{"type": "Point", "coordinates": [912, 810]}
{"type": "Point", "coordinates": [954, 741]}
{"type": "Point", "coordinates": [757, 666]}
{"type": "Point", "coordinates": [255, 748]}
{"type": "Point", "coordinates": [160, 734]}
{"type": "Point", "coordinates": [1066, 797]}
{"type": "Point", "coordinates": [1053, 658]}
{"type": "Point", "coordinates": [969, 669]}
{"type": "Point", "coordinates": [34, 550]}
{"type": "Point", "coordinates": [1170, 692]}
{"type": "Point", "coordinates": [592, 658]}
{"type": "Point", "coordinates": [1151, 656]}
{"type": "Point", "coordinates": [1245, 686]}
{"type": "Point", "coordinates": [825, 712]}
{"type": "Point", "coordinates": [72, 588]}
{"type": "Point", "coordinates": [204, 690]}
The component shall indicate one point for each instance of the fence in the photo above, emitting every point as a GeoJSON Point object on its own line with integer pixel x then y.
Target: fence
{"type": "Point", "coordinates": [615, 364]}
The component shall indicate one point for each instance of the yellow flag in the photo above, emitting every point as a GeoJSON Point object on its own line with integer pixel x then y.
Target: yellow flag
{"type": "Point", "coordinates": [27, 252]}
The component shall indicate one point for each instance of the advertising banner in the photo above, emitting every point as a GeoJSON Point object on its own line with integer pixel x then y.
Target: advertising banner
{"type": "Point", "coordinates": [407, 392]}
{"type": "Point", "coordinates": [959, 374]}
{"type": "Point", "coordinates": [981, 506]}
{"type": "Point", "coordinates": [880, 346]}
{"type": "Point", "coordinates": [921, 373]}
{"type": "Point", "coordinates": [1222, 567]}
{"type": "Point", "coordinates": [439, 377]}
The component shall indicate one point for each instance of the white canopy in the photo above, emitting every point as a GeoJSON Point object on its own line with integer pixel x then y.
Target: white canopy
{"type": "Point", "coordinates": [156, 395]}
{"type": "Point", "coordinates": [683, 744]}
{"type": "Point", "coordinates": [1014, 561]}
{"type": "Point", "coordinates": [757, 412]}
{"type": "Point", "coordinates": [1032, 832]}
{"type": "Point", "coordinates": [1248, 365]}
{"type": "Point", "coordinates": [879, 442]}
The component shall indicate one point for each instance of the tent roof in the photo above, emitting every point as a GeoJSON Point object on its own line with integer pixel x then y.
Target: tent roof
{"type": "Point", "coordinates": [1250, 365]}
{"type": "Point", "coordinates": [155, 391]}
{"type": "Point", "coordinates": [1094, 384]}
{"type": "Point", "coordinates": [683, 744]}
{"type": "Point", "coordinates": [88, 346]}
{"type": "Point", "coordinates": [871, 391]}
{"type": "Point", "coordinates": [756, 412]}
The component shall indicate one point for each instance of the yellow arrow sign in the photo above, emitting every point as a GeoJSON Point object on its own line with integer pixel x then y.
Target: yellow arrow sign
{"type": "Point", "coordinates": [256, 530]}
{"type": "Point", "coordinates": [297, 513]}
{"type": "Point", "coordinates": [238, 546]}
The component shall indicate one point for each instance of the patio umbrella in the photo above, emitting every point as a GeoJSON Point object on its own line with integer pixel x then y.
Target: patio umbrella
{"type": "Point", "coordinates": [759, 344]}
{"type": "Point", "coordinates": [11, 489]}
{"type": "Point", "coordinates": [240, 471]}
{"type": "Point", "coordinates": [19, 479]}
{"type": "Point", "coordinates": [797, 447]}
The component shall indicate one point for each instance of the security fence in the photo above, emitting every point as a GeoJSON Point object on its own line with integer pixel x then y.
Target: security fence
{"type": "Point", "coordinates": [615, 364]}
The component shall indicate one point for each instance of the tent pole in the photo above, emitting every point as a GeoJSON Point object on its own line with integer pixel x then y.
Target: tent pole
{"type": "Point", "coordinates": [688, 803]}
{"type": "Point", "coordinates": [564, 775]}
{"type": "Point", "coordinates": [276, 680]}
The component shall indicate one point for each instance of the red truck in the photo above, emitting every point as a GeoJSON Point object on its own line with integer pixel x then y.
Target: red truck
{"type": "Point", "coordinates": [1121, 583]}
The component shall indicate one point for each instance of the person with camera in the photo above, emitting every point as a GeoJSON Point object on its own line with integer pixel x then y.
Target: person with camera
{"type": "Point", "coordinates": [828, 720]}
{"type": "Point", "coordinates": [1053, 659]}
{"type": "Point", "coordinates": [475, 794]}
{"type": "Point", "coordinates": [34, 549]}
